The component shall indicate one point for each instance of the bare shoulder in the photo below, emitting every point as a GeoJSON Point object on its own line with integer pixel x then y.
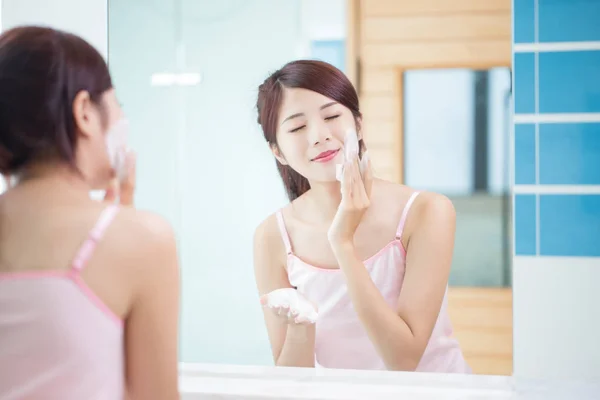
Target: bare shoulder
{"type": "Point", "coordinates": [269, 256]}
{"type": "Point", "coordinates": [145, 226]}
{"type": "Point", "coordinates": [433, 204]}
{"type": "Point", "coordinates": [431, 210]}
{"type": "Point", "coordinates": [143, 239]}
{"type": "Point", "coordinates": [267, 237]}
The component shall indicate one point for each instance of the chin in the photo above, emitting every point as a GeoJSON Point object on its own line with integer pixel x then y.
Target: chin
{"type": "Point", "coordinates": [328, 178]}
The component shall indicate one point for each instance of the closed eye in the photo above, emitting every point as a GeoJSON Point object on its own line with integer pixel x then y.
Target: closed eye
{"type": "Point", "coordinates": [304, 126]}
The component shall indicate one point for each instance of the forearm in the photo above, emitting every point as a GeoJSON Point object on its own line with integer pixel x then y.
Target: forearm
{"type": "Point", "coordinates": [299, 347]}
{"type": "Point", "coordinates": [389, 333]}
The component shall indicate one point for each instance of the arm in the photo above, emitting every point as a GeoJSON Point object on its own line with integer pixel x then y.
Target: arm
{"type": "Point", "coordinates": [292, 345]}
{"type": "Point", "coordinates": [151, 331]}
{"type": "Point", "coordinates": [401, 335]}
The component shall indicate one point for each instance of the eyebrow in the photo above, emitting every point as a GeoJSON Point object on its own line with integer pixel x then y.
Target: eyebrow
{"type": "Point", "coordinates": [324, 106]}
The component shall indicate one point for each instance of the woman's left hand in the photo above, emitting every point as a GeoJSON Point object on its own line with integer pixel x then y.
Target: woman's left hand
{"type": "Point", "coordinates": [124, 189]}
{"type": "Point", "coordinates": [356, 192]}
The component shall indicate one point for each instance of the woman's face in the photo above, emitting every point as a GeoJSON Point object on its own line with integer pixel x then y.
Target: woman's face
{"type": "Point", "coordinates": [310, 134]}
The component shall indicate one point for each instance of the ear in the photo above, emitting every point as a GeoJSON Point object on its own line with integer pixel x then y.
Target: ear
{"type": "Point", "coordinates": [278, 155]}
{"type": "Point", "coordinates": [82, 113]}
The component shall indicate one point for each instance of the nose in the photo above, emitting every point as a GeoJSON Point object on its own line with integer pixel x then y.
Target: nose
{"type": "Point", "coordinates": [319, 133]}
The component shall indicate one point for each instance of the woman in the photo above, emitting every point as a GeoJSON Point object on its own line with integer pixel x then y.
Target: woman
{"type": "Point", "coordinates": [88, 290]}
{"type": "Point", "coordinates": [373, 256]}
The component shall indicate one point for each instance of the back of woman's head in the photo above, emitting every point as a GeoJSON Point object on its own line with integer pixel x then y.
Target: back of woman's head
{"type": "Point", "coordinates": [316, 76]}
{"type": "Point", "coordinates": [42, 70]}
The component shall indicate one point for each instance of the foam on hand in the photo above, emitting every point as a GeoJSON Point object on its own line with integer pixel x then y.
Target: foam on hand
{"type": "Point", "coordinates": [298, 304]}
{"type": "Point", "coordinates": [351, 150]}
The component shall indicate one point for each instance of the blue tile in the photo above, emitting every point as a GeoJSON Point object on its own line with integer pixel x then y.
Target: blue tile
{"type": "Point", "coordinates": [569, 154]}
{"type": "Point", "coordinates": [524, 21]}
{"type": "Point", "coordinates": [569, 81]}
{"type": "Point", "coordinates": [570, 225]}
{"type": "Point", "coordinates": [525, 230]}
{"type": "Point", "coordinates": [568, 20]}
{"type": "Point", "coordinates": [524, 154]}
{"type": "Point", "coordinates": [524, 83]}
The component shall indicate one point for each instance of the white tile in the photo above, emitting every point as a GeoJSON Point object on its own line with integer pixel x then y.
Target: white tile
{"type": "Point", "coordinates": [556, 313]}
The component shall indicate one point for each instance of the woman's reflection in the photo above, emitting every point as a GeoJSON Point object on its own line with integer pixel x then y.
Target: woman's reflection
{"type": "Point", "coordinates": [372, 256]}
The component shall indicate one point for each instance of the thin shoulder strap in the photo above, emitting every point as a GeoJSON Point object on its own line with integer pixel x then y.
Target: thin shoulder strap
{"type": "Point", "coordinates": [87, 248]}
{"type": "Point", "coordinates": [283, 231]}
{"type": "Point", "coordinates": [409, 203]}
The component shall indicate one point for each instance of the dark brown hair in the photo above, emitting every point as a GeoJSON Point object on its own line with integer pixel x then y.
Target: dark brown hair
{"type": "Point", "coordinates": [41, 72]}
{"type": "Point", "coordinates": [317, 76]}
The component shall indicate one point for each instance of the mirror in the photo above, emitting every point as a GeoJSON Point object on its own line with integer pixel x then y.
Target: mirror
{"type": "Point", "coordinates": [187, 73]}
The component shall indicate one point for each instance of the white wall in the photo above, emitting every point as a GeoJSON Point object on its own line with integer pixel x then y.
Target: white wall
{"type": "Point", "coordinates": [323, 20]}
{"type": "Point", "coordinates": [86, 18]}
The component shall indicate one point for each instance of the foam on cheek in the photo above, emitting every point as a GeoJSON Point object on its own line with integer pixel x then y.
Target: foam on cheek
{"type": "Point", "coordinates": [351, 150]}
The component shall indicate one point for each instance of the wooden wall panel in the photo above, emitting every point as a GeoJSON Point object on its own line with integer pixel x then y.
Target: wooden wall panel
{"type": "Point", "coordinates": [353, 21]}
{"type": "Point", "coordinates": [380, 106]}
{"type": "Point", "coordinates": [471, 54]}
{"type": "Point", "coordinates": [491, 366]}
{"type": "Point", "coordinates": [380, 159]}
{"type": "Point", "coordinates": [482, 322]}
{"type": "Point", "coordinates": [376, 133]}
{"type": "Point", "coordinates": [377, 80]}
{"type": "Point", "coordinates": [374, 8]}
{"type": "Point", "coordinates": [442, 27]}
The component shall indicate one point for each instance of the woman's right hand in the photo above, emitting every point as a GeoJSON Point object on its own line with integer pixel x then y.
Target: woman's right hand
{"type": "Point", "coordinates": [124, 189]}
{"type": "Point", "coordinates": [285, 314]}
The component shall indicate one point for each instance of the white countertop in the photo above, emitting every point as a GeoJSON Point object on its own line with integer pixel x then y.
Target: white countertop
{"type": "Point", "coordinates": [215, 381]}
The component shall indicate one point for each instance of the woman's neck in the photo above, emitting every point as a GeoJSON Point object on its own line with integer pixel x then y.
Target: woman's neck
{"type": "Point", "coordinates": [323, 200]}
{"type": "Point", "coordinates": [58, 176]}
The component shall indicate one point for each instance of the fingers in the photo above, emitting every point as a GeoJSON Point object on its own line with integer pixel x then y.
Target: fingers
{"type": "Point", "coordinates": [285, 314]}
{"type": "Point", "coordinates": [347, 182]}
{"type": "Point", "coordinates": [127, 185]}
{"type": "Point", "coordinates": [355, 191]}
{"type": "Point", "coordinates": [368, 180]}
{"type": "Point", "coordinates": [112, 191]}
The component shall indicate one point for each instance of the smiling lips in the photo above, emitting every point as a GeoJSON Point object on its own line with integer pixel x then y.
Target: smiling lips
{"type": "Point", "coordinates": [326, 156]}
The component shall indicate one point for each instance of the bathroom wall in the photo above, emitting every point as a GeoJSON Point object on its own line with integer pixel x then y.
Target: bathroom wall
{"type": "Point", "coordinates": [87, 18]}
{"type": "Point", "coordinates": [556, 55]}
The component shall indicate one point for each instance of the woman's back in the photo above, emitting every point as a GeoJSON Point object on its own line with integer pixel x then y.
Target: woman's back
{"type": "Point", "coordinates": [70, 270]}
{"type": "Point", "coordinates": [65, 289]}
{"type": "Point", "coordinates": [89, 291]}
{"type": "Point", "coordinates": [53, 326]}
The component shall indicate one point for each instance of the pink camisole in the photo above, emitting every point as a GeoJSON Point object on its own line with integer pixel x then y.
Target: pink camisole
{"type": "Point", "coordinates": [58, 341]}
{"type": "Point", "coordinates": [341, 340]}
